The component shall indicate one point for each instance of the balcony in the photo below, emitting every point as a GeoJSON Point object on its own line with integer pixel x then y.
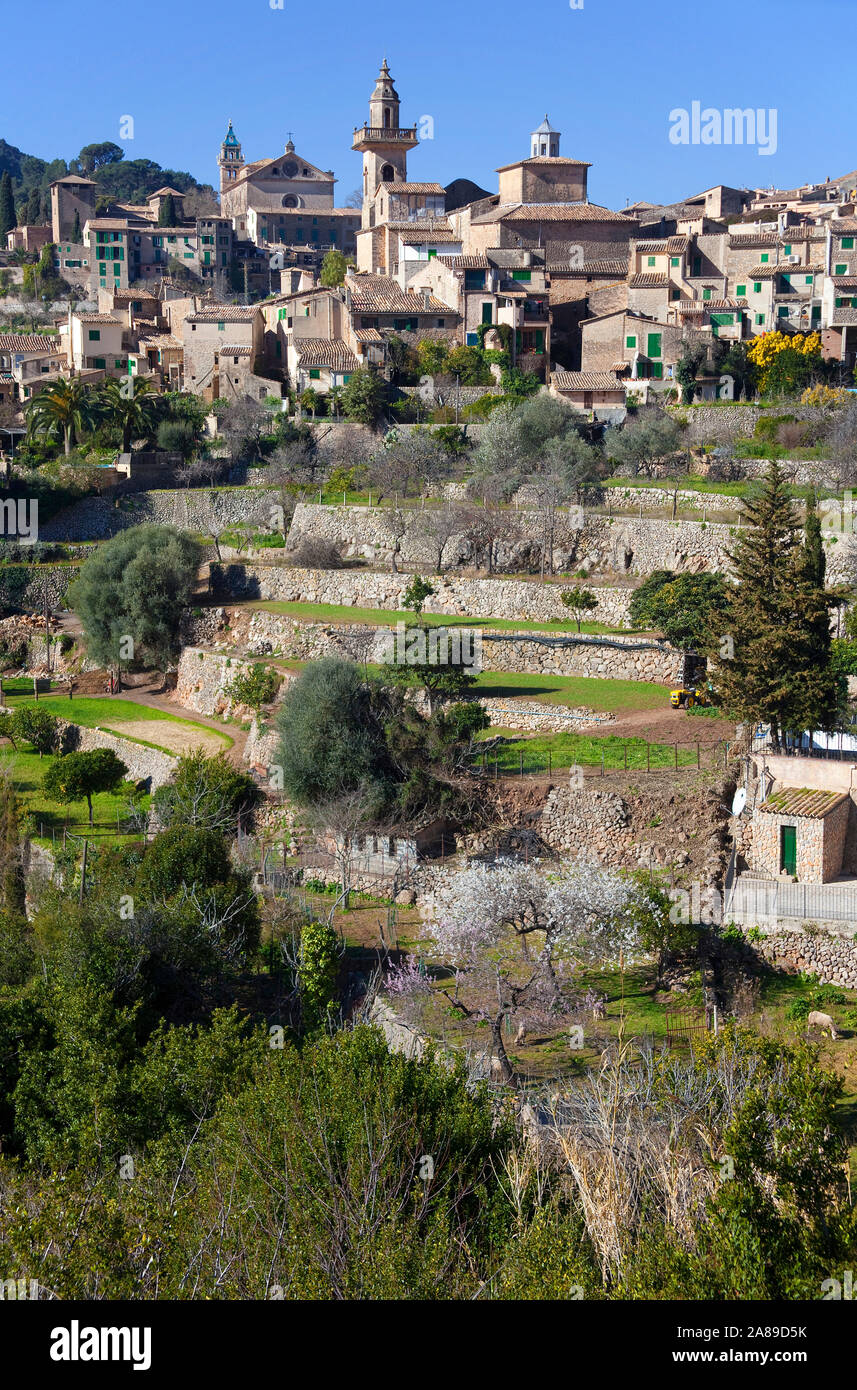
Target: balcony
{"type": "Point", "coordinates": [383, 135]}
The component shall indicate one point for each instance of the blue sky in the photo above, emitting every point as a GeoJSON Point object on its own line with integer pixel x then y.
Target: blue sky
{"type": "Point", "coordinates": [608, 74]}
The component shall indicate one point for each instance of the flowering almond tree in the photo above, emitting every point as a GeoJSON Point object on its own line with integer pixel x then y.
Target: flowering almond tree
{"type": "Point", "coordinates": [514, 936]}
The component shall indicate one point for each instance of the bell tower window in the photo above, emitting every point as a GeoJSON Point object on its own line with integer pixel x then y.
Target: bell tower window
{"type": "Point", "coordinates": [388, 173]}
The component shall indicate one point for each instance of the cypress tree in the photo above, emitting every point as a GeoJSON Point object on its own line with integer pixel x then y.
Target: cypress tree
{"type": "Point", "coordinates": [8, 220]}
{"type": "Point", "coordinates": [167, 212]}
{"type": "Point", "coordinates": [778, 618]}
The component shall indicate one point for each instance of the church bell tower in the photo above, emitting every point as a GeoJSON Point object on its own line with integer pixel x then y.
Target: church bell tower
{"type": "Point", "coordinates": [383, 143]}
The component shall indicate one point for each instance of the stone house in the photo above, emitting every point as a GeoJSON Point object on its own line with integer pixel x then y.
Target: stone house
{"type": "Point", "coordinates": [801, 833]}
{"type": "Point", "coordinates": [223, 347]}
{"type": "Point", "coordinates": [30, 238]}
{"type": "Point", "coordinates": [601, 392]}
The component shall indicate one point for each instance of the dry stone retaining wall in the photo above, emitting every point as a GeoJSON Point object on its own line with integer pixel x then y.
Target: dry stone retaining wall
{"type": "Point", "coordinates": [831, 955]}
{"type": "Point", "coordinates": [203, 679]}
{"type": "Point", "coordinates": [141, 762]}
{"type": "Point", "coordinates": [461, 597]}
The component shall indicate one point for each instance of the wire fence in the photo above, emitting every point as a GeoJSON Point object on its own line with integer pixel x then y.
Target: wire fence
{"type": "Point", "coordinates": [638, 755]}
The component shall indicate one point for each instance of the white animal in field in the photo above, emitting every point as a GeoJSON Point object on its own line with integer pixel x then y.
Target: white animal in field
{"type": "Point", "coordinates": [822, 1021]}
{"type": "Point", "coordinates": [521, 1034]}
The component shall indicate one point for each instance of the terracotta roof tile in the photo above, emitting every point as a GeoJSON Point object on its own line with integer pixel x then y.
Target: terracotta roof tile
{"type": "Point", "coordinates": [802, 801]}
{"type": "Point", "coordinates": [224, 313]}
{"type": "Point", "coordinates": [28, 342]}
{"type": "Point", "coordinates": [585, 381]}
{"type": "Point", "coordinates": [563, 212]}
{"type": "Point", "coordinates": [650, 280]}
{"type": "Point", "coordinates": [326, 352]}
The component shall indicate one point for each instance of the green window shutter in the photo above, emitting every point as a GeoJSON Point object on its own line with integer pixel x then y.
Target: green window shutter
{"type": "Point", "coordinates": [631, 340]}
{"type": "Point", "coordinates": [95, 335]}
{"type": "Point", "coordinates": [653, 347]}
{"type": "Point", "coordinates": [674, 260]}
{"type": "Point", "coordinates": [757, 287]}
{"type": "Point", "coordinates": [764, 258]}
{"type": "Point", "coordinates": [760, 319]}
{"type": "Point", "coordinates": [315, 374]}
{"type": "Point", "coordinates": [117, 362]}
{"type": "Point", "coordinates": [99, 362]}
{"type": "Point", "coordinates": [675, 294]}
{"type": "Point", "coordinates": [741, 291]}
{"type": "Point", "coordinates": [487, 313]}
{"type": "Point", "coordinates": [783, 311]}
{"type": "Point", "coordinates": [658, 371]}
{"type": "Point", "coordinates": [651, 260]}
{"type": "Point", "coordinates": [787, 250]}
{"type": "Point", "coordinates": [848, 243]}
{"type": "Point", "coordinates": [808, 279]}
{"type": "Point", "coordinates": [706, 294]}
{"type": "Point", "coordinates": [221, 328]}
{"type": "Point", "coordinates": [522, 275]}
{"type": "Point", "coordinates": [346, 377]}
{"type": "Point", "coordinates": [840, 270]}
{"type": "Point", "coordinates": [788, 849]}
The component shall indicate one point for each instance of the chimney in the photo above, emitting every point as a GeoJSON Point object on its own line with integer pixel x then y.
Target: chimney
{"type": "Point", "coordinates": [427, 300]}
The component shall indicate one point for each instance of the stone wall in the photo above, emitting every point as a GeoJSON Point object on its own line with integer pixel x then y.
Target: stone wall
{"type": "Point", "coordinates": [623, 544]}
{"type": "Point", "coordinates": [203, 680]}
{"type": "Point", "coordinates": [474, 598]}
{"type": "Point", "coordinates": [142, 763]}
{"type": "Point", "coordinates": [618, 658]}
{"type": "Point", "coordinates": [831, 955]}
{"type": "Point", "coordinates": [23, 586]}
{"type": "Point", "coordinates": [575, 821]}
{"type": "Point", "coordinates": [191, 509]}
{"type": "Point", "coordinates": [542, 719]}
{"type": "Point", "coordinates": [722, 424]}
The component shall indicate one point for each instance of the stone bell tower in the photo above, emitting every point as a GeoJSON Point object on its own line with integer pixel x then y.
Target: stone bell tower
{"type": "Point", "coordinates": [383, 143]}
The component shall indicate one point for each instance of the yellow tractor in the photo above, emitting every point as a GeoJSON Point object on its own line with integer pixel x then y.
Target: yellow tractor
{"type": "Point", "coordinates": [685, 697]}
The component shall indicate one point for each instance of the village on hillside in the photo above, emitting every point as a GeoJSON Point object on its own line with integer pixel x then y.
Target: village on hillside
{"type": "Point", "coordinates": [428, 730]}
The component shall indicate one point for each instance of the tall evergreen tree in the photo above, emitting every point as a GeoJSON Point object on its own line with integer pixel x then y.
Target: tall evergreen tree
{"type": "Point", "coordinates": [167, 212]}
{"type": "Point", "coordinates": [777, 620]}
{"type": "Point", "coordinates": [12, 894]}
{"type": "Point", "coordinates": [8, 219]}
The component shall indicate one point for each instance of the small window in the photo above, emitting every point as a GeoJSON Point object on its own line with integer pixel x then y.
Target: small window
{"type": "Point", "coordinates": [674, 260]}
{"type": "Point", "coordinates": [787, 250]}
{"type": "Point", "coordinates": [764, 258]}
{"type": "Point", "coordinates": [650, 260]}
{"type": "Point", "coordinates": [99, 361]}
{"type": "Point", "coordinates": [706, 294]}
{"type": "Point", "coordinates": [757, 287]}
{"type": "Point", "coordinates": [117, 362]}
{"type": "Point", "coordinates": [221, 328]}
{"type": "Point", "coordinates": [808, 280]}
{"type": "Point", "coordinates": [315, 374]}
{"type": "Point", "coordinates": [760, 320]}
{"type": "Point", "coordinates": [94, 335]}
{"type": "Point", "coordinates": [631, 340]}
{"type": "Point", "coordinates": [848, 243]}
{"type": "Point", "coordinates": [740, 290]}
{"type": "Point", "coordinates": [840, 270]}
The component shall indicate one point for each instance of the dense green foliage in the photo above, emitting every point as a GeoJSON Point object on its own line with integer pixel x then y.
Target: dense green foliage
{"type": "Point", "coordinates": [135, 587]}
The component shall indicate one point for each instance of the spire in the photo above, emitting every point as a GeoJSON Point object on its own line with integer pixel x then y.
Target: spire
{"type": "Point", "coordinates": [231, 138]}
{"type": "Point", "coordinates": [544, 140]}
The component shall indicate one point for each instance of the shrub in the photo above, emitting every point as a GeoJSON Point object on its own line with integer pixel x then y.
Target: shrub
{"type": "Point", "coordinates": [314, 553]}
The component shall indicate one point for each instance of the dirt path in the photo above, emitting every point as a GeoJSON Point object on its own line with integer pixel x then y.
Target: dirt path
{"type": "Point", "coordinates": [147, 689]}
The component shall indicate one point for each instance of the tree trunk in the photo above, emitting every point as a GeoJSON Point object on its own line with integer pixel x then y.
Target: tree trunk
{"type": "Point", "coordinates": [507, 1075]}
{"type": "Point", "coordinates": [89, 804]}
{"type": "Point", "coordinates": [67, 439]}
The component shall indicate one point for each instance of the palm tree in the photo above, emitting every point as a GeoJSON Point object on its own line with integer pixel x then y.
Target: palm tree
{"type": "Point", "coordinates": [19, 255]}
{"type": "Point", "coordinates": [130, 410]}
{"type": "Point", "coordinates": [64, 408]}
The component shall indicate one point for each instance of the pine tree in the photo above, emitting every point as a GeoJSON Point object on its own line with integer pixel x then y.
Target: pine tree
{"type": "Point", "coordinates": [8, 220]}
{"type": "Point", "coordinates": [777, 625]}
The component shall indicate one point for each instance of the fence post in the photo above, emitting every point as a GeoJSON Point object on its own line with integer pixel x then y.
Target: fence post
{"type": "Point", "coordinates": [550, 764]}
{"type": "Point", "coordinates": [522, 761]}
{"type": "Point", "coordinates": [675, 750]}
{"type": "Point", "coordinates": [625, 751]}
{"type": "Point", "coordinates": [602, 762]}
{"type": "Point", "coordinates": [698, 764]}
{"type": "Point", "coordinates": [648, 756]}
